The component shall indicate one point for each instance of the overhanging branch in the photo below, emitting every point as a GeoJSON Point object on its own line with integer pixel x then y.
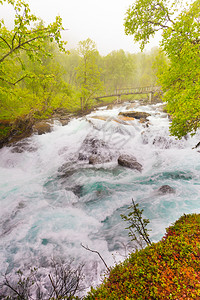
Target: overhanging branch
{"type": "Point", "coordinates": [13, 83]}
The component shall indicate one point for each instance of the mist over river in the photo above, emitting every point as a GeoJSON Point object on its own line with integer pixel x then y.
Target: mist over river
{"type": "Point", "coordinates": [52, 199]}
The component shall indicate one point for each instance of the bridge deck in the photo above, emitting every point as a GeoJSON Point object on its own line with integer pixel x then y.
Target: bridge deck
{"type": "Point", "coordinates": [132, 91]}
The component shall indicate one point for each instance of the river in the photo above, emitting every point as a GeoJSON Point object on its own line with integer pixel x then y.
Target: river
{"type": "Point", "coordinates": [52, 199]}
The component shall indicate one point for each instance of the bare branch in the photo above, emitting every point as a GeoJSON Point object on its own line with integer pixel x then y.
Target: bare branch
{"type": "Point", "coordinates": [165, 10]}
{"type": "Point", "coordinates": [94, 251]}
{"type": "Point", "coordinates": [5, 42]}
{"type": "Point", "coordinates": [10, 286]}
{"type": "Point", "coordinates": [13, 83]}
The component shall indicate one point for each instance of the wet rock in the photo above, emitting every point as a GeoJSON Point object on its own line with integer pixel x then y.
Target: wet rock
{"type": "Point", "coordinates": [67, 169]}
{"type": "Point", "coordinates": [77, 190]}
{"type": "Point", "coordinates": [129, 161]}
{"type": "Point", "coordinates": [42, 127]}
{"type": "Point", "coordinates": [131, 105]}
{"type": "Point", "coordinates": [23, 145]}
{"type": "Point", "coordinates": [99, 159]}
{"type": "Point", "coordinates": [92, 146]}
{"type": "Point", "coordinates": [120, 119]}
{"type": "Point", "coordinates": [113, 105]}
{"type": "Point", "coordinates": [103, 118]}
{"type": "Point", "coordinates": [163, 142]}
{"type": "Point", "coordinates": [64, 121]}
{"type": "Point", "coordinates": [143, 120]}
{"type": "Point", "coordinates": [62, 115]}
{"type": "Point", "coordinates": [124, 120]}
{"type": "Point", "coordinates": [135, 114]}
{"type": "Point", "coordinates": [110, 106]}
{"type": "Point", "coordinates": [17, 130]}
{"type": "Point", "coordinates": [83, 156]}
{"type": "Point", "coordinates": [166, 189]}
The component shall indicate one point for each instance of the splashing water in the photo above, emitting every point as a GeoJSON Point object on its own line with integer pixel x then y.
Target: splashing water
{"type": "Point", "coordinates": [52, 200]}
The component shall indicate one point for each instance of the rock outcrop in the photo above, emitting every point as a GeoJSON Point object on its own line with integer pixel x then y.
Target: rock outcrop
{"type": "Point", "coordinates": [99, 159]}
{"type": "Point", "coordinates": [166, 189]}
{"type": "Point", "coordinates": [15, 130]}
{"type": "Point", "coordinates": [42, 127]}
{"type": "Point", "coordinates": [129, 161]}
{"type": "Point", "coordinates": [135, 114]}
{"type": "Point", "coordinates": [95, 151]}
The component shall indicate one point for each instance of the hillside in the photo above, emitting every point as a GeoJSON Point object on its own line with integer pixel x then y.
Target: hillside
{"type": "Point", "coordinates": [169, 269]}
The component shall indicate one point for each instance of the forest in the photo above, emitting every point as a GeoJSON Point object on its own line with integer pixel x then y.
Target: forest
{"type": "Point", "coordinates": [61, 79]}
{"type": "Point", "coordinates": [38, 75]}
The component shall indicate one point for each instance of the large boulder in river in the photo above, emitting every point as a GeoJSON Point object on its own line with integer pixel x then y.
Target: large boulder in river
{"type": "Point", "coordinates": [99, 159]}
{"type": "Point", "coordinates": [135, 114]}
{"type": "Point", "coordinates": [95, 150]}
{"type": "Point", "coordinates": [129, 161]}
{"type": "Point", "coordinates": [166, 189]}
{"type": "Point", "coordinates": [42, 127]}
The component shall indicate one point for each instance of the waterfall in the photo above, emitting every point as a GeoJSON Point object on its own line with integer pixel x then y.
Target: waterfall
{"type": "Point", "coordinates": [52, 199]}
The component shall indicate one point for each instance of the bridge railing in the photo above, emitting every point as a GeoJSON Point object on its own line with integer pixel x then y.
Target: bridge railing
{"type": "Point", "coordinates": [145, 89]}
{"type": "Point", "coordinates": [127, 91]}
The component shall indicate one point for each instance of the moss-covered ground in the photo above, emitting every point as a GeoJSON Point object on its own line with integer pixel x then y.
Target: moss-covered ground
{"type": "Point", "coordinates": [169, 269]}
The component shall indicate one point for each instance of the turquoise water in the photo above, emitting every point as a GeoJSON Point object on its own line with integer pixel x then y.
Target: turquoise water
{"type": "Point", "coordinates": [51, 202]}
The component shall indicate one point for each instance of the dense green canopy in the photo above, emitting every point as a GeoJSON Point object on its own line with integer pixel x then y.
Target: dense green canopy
{"type": "Point", "coordinates": [180, 80]}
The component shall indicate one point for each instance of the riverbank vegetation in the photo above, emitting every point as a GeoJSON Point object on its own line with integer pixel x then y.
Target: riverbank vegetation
{"type": "Point", "coordinates": [168, 269]}
{"type": "Point", "coordinates": [39, 76]}
{"type": "Point", "coordinates": [180, 79]}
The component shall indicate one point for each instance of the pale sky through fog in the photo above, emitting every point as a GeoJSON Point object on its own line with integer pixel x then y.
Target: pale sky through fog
{"type": "Point", "coordinates": [100, 20]}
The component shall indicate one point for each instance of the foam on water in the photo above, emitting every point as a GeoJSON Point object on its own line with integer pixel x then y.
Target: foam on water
{"type": "Point", "coordinates": [51, 202]}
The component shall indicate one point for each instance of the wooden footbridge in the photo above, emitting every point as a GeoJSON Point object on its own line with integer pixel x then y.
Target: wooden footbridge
{"type": "Point", "coordinates": [150, 90]}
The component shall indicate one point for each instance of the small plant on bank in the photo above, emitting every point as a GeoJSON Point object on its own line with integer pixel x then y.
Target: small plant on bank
{"type": "Point", "coordinates": [138, 225]}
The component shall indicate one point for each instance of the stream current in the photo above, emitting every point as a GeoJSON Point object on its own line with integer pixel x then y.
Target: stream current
{"type": "Point", "coordinates": [52, 199]}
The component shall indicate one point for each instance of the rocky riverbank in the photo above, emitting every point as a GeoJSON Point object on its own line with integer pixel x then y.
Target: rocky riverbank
{"type": "Point", "coordinates": [12, 131]}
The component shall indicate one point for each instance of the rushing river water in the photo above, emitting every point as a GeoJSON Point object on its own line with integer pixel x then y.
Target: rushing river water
{"type": "Point", "coordinates": [52, 199]}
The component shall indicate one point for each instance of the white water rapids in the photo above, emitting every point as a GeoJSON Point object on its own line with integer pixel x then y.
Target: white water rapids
{"type": "Point", "coordinates": [51, 201]}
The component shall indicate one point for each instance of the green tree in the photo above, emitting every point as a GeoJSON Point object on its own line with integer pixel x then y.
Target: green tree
{"type": "Point", "coordinates": [26, 37]}
{"type": "Point", "coordinates": [180, 41]}
{"type": "Point", "coordinates": [70, 64]}
{"type": "Point", "coordinates": [88, 73]}
{"type": "Point", "coordinates": [145, 68]}
{"type": "Point", "coordinates": [27, 43]}
{"type": "Point", "coordinates": [118, 70]}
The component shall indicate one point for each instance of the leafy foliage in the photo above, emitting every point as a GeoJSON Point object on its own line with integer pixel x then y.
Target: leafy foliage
{"type": "Point", "coordinates": [118, 70]}
{"type": "Point", "coordinates": [181, 81]}
{"type": "Point", "coordinates": [88, 74]}
{"type": "Point", "coordinates": [180, 41]}
{"type": "Point", "coordinates": [144, 18]}
{"type": "Point", "coordinates": [27, 43]}
{"type": "Point", "coordinates": [37, 76]}
{"type": "Point", "coordinates": [27, 37]}
{"type": "Point", "coordinates": [169, 269]}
